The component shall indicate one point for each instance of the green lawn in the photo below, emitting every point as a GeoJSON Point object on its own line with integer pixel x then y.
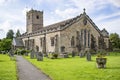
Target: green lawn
{"type": "Point", "coordinates": [79, 69]}
{"type": "Point", "coordinates": [7, 68]}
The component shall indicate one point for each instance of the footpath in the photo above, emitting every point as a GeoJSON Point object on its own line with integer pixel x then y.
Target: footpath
{"type": "Point", "coordinates": [26, 71]}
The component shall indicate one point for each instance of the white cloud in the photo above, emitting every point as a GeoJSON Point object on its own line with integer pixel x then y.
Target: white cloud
{"type": "Point", "coordinates": [25, 10]}
{"type": "Point", "coordinates": [56, 10]}
{"type": "Point", "coordinates": [7, 25]}
{"type": "Point", "coordinates": [67, 13]}
{"type": "Point", "coordinates": [110, 26]}
{"type": "Point", "coordinates": [90, 5]}
{"type": "Point", "coordinates": [115, 2]}
{"type": "Point", "coordinates": [104, 17]}
{"type": "Point", "coordinates": [5, 2]}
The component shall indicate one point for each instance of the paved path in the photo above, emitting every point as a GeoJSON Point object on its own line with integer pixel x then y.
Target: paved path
{"type": "Point", "coordinates": [26, 71]}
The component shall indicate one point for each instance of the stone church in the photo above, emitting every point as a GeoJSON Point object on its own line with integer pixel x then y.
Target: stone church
{"type": "Point", "coordinates": [76, 34]}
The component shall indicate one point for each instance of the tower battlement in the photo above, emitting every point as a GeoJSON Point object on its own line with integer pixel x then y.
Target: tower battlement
{"type": "Point", "coordinates": [34, 20]}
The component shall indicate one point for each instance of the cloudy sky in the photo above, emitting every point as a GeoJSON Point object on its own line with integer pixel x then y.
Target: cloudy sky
{"type": "Point", "coordinates": [105, 13]}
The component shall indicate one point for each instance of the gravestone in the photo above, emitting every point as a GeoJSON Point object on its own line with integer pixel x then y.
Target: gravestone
{"type": "Point", "coordinates": [11, 54]}
{"type": "Point", "coordinates": [32, 54]}
{"type": "Point", "coordinates": [39, 56]}
{"type": "Point", "coordinates": [64, 55]}
{"type": "Point", "coordinates": [81, 54]}
{"type": "Point", "coordinates": [73, 54]}
{"type": "Point", "coordinates": [88, 57]}
{"type": "Point", "coordinates": [26, 54]}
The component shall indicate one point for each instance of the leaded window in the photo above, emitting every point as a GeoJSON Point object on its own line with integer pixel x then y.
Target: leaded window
{"type": "Point", "coordinates": [72, 41]}
{"type": "Point", "coordinates": [52, 41]}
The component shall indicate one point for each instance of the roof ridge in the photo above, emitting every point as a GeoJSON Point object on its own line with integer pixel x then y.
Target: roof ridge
{"type": "Point", "coordinates": [94, 25]}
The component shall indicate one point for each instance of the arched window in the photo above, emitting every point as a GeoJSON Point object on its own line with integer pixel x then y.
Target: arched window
{"type": "Point", "coordinates": [37, 48]}
{"type": "Point", "coordinates": [72, 41]}
{"type": "Point", "coordinates": [62, 48]}
{"type": "Point", "coordinates": [52, 41]}
{"type": "Point", "coordinates": [85, 37]}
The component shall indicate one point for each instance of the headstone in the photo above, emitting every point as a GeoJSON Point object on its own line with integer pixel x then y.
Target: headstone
{"type": "Point", "coordinates": [73, 54]}
{"type": "Point", "coordinates": [39, 56]}
{"type": "Point", "coordinates": [32, 54]}
{"type": "Point", "coordinates": [64, 55]}
{"type": "Point", "coordinates": [81, 54]}
{"type": "Point", "coordinates": [11, 54]}
{"type": "Point", "coordinates": [26, 54]}
{"type": "Point", "coordinates": [88, 57]}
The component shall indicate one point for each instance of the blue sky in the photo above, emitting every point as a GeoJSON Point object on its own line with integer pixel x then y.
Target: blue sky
{"type": "Point", "coordinates": [105, 13]}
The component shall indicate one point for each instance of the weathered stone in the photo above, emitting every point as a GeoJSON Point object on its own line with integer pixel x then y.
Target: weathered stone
{"type": "Point", "coordinates": [101, 62]}
{"type": "Point", "coordinates": [81, 54]}
{"type": "Point", "coordinates": [73, 53]}
{"type": "Point", "coordinates": [26, 54]}
{"type": "Point", "coordinates": [64, 55]}
{"type": "Point", "coordinates": [11, 54]}
{"type": "Point", "coordinates": [88, 57]}
{"type": "Point", "coordinates": [32, 56]}
{"type": "Point", "coordinates": [39, 56]}
{"type": "Point", "coordinates": [87, 34]}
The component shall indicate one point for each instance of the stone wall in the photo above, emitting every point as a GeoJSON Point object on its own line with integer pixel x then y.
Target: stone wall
{"type": "Point", "coordinates": [37, 42]}
{"type": "Point", "coordinates": [67, 34]}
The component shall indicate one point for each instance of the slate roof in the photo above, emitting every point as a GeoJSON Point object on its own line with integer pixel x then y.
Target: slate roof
{"type": "Point", "coordinates": [17, 42]}
{"type": "Point", "coordinates": [105, 33]}
{"type": "Point", "coordinates": [62, 25]}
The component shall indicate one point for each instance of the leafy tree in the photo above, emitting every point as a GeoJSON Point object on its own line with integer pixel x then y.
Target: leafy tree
{"type": "Point", "coordinates": [5, 44]}
{"type": "Point", "coordinates": [115, 40]}
{"type": "Point", "coordinates": [10, 34]}
{"type": "Point", "coordinates": [18, 33]}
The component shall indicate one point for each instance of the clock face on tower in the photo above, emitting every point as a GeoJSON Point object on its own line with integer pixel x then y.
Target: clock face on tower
{"type": "Point", "coordinates": [84, 21]}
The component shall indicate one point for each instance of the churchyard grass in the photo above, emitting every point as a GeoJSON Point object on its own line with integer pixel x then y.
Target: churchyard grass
{"type": "Point", "coordinates": [7, 68]}
{"type": "Point", "coordinates": [79, 68]}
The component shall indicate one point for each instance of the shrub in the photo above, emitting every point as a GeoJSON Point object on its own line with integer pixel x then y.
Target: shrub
{"type": "Point", "coordinates": [54, 56]}
{"type": "Point", "coordinates": [21, 51]}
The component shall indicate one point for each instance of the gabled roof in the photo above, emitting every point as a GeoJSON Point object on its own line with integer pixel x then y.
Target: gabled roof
{"type": "Point", "coordinates": [62, 25]}
{"type": "Point", "coordinates": [105, 33]}
{"type": "Point", "coordinates": [17, 42]}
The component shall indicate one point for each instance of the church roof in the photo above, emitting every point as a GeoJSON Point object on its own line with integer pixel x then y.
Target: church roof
{"type": "Point", "coordinates": [17, 42]}
{"type": "Point", "coordinates": [105, 33]}
{"type": "Point", "coordinates": [62, 25]}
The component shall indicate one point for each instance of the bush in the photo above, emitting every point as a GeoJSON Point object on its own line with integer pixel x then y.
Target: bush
{"type": "Point", "coordinates": [54, 56]}
{"type": "Point", "coordinates": [21, 51]}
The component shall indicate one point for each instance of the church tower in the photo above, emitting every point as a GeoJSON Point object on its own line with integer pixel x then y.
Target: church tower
{"type": "Point", "coordinates": [34, 20]}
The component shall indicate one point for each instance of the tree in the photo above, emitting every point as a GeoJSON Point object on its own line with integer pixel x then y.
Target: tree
{"type": "Point", "coordinates": [10, 34]}
{"type": "Point", "coordinates": [18, 33]}
{"type": "Point", "coordinates": [5, 44]}
{"type": "Point", "coordinates": [115, 40]}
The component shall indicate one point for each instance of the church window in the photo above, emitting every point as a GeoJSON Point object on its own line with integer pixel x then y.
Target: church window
{"type": "Point", "coordinates": [88, 38]}
{"type": "Point", "coordinates": [37, 48]}
{"type": "Point", "coordinates": [72, 41]}
{"type": "Point", "coordinates": [85, 37]}
{"type": "Point", "coordinates": [41, 42]}
{"type": "Point", "coordinates": [33, 42]}
{"type": "Point", "coordinates": [37, 17]}
{"type": "Point", "coordinates": [52, 41]}
{"type": "Point", "coordinates": [82, 36]}
{"type": "Point", "coordinates": [26, 44]}
{"type": "Point", "coordinates": [62, 48]}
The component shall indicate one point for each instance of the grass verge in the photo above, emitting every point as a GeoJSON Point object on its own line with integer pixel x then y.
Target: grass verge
{"type": "Point", "coordinates": [7, 68]}
{"type": "Point", "coordinates": [78, 68]}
